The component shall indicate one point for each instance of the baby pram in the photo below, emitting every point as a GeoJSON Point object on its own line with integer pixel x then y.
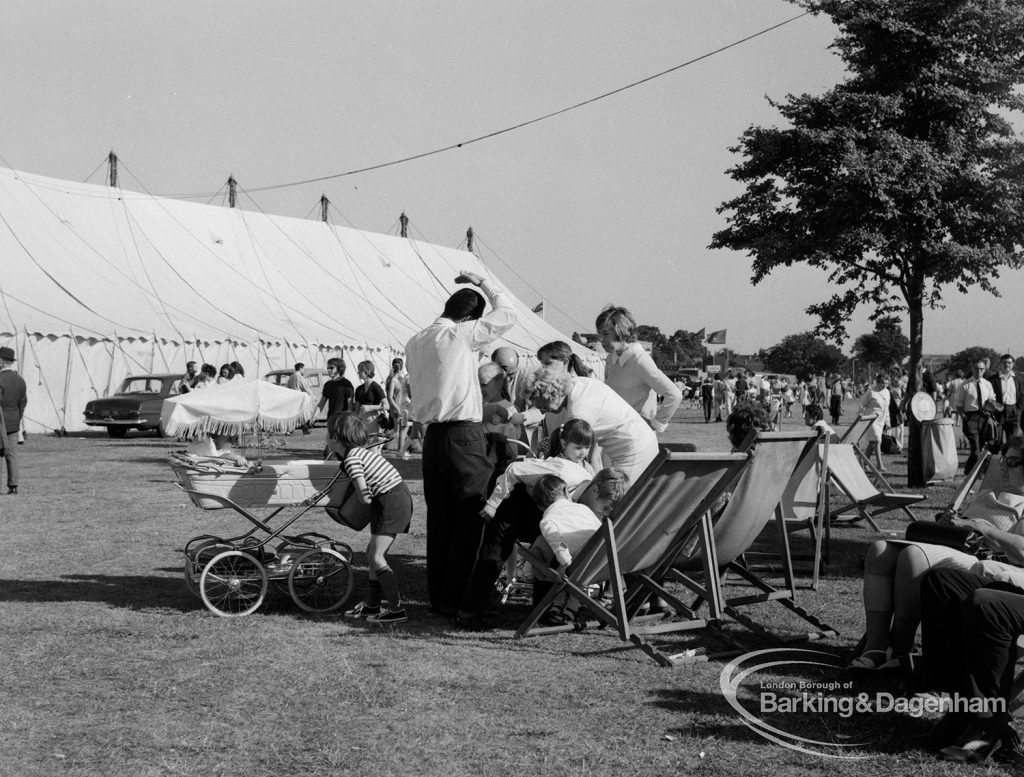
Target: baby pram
{"type": "Point", "coordinates": [232, 575]}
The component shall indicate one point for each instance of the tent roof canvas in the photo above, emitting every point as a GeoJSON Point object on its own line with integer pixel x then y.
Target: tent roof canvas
{"type": "Point", "coordinates": [103, 263]}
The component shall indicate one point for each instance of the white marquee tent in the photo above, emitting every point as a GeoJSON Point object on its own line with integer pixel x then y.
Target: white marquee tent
{"type": "Point", "coordinates": [98, 283]}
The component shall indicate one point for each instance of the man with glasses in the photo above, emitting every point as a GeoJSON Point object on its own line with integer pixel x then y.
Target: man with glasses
{"type": "Point", "coordinates": [1008, 388]}
{"type": "Point", "coordinates": [974, 392]}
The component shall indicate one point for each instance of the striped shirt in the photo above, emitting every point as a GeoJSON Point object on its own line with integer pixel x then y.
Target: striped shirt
{"type": "Point", "coordinates": [377, 472]}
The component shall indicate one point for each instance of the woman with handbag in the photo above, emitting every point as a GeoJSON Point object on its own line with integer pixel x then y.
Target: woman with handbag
{"type": "Point", "coordinates": [893, 569]}
{"type": "Point", "coordinates": [371, 404]}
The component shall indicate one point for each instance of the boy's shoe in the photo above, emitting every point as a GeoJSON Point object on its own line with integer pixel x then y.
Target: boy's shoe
{"type": "Point", "coordinates": [363, 610]}
{"type": "Point", "coordinates": [388, 616]}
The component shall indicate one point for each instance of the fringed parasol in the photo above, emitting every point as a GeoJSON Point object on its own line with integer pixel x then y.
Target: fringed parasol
{"type": "Point", "coordinates": [235, 408]}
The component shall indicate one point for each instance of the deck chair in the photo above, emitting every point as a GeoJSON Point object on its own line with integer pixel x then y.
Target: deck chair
{"type": "Point", "coordinates": [857, 429]}
{"type": "Point", "coordinates": [846, 470]}
{"type": "Point", "coordinates": [665, 502]}
{"type": "Point", "coordinates": [971, 480]}
{"type": "Point", "coordinates": [717, 544]}
{"type": "Point", "coordinates": [804, 506]}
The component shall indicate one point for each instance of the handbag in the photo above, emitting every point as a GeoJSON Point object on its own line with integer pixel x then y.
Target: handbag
{"type": "Point", "coordinates": [349, 510]}
{"type": "Point", "coordinates": [889, 444]}
{"type": "Point", "coordinates": [962, 538]}
{"type": "Point", "coordinates": [992, 407]}
{"type": "Point", "coordinates": [990, 433]}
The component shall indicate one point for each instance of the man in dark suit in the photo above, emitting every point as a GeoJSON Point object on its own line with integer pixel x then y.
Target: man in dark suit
{"type": "Point", "coordinates": [13, 399]}
{"type": "Point", "coordinates": [1008, 387]}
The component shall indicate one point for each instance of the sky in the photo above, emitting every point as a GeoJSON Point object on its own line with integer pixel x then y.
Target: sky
{"type": "Point", "coordinates": [613, 202]}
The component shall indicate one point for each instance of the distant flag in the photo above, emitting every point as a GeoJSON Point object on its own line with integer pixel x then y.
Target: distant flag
{"type": "Point", "coordinates": [539, 308]}
{"type": "Point", "coordinates": [700, 335]}
{"type": "Point", "coordinates": [717, 338]}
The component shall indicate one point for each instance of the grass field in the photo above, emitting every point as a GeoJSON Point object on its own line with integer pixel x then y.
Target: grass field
{"type": "Point", "coordinates": [111, 667]}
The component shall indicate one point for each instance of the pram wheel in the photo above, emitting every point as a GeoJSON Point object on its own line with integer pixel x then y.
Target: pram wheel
{"type": "Point", "coordinates": [198, 552]}
{"type": "Point", "coordinates": [320, 581]}
{"type": "Point", "coordinates": [233, 583]}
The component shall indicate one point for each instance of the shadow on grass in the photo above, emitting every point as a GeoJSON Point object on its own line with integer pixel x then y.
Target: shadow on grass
{"type": "Point", "coordinates": [132, 591]}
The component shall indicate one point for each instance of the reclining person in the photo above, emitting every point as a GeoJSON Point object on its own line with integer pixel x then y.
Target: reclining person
{"type": "Point", "coordinates": [893, 569]}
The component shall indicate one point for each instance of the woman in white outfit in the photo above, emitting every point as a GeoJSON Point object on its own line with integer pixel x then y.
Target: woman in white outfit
{"type": "Point", "coordinates": [876, 403]}
{"type": "Point", "coordinates": [631, 372]}
{"type": "Point", "coordinates": [627, 442]}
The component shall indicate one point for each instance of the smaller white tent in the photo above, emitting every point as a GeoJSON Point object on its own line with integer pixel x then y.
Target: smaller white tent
{"type": "Point", "coordinates": [98, 283]}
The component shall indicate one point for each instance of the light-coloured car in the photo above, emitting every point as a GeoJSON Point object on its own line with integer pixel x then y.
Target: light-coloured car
{"type": "Point", "coordinates": [315, 379]}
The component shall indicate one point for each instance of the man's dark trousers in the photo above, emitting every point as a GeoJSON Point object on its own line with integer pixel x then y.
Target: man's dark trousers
{"type": "Point", "coordinates": [516, 519]}
{"type": "Point", "coordinates": [456, 472]}
{"type": "Point", "coordinates": [969, 633]}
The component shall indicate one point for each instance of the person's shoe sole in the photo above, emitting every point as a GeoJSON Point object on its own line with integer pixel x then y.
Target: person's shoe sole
{"type": "Point", "coordinates": [388, 617]}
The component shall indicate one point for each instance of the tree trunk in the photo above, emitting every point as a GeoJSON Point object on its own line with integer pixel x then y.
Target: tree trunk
{"type": "Point", "coordinates": [915, 458]}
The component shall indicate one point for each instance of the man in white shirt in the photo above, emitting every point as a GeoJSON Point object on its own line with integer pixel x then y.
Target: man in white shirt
{"type": "Point", "coordinates": [442, 362]}
{"type": "Point", "coordinates": [974, 392]}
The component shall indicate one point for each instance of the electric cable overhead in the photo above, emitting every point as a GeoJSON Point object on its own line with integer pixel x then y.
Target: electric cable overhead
{"type": "Point", "coordinates": [520, 125]}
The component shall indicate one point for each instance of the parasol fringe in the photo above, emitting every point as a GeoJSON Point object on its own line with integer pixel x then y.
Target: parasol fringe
{"type": "Point", "coordinates": [212, 426]}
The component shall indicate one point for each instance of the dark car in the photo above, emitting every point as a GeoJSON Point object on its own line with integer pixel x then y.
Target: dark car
{"type": "Point", "coordinates": [135, 405]}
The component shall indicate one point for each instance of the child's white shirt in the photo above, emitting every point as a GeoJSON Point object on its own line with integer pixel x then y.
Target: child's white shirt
{"type": "Point", "coordinates": [566, 526]}
{"type": "Point", "coordinates": [529, 471]}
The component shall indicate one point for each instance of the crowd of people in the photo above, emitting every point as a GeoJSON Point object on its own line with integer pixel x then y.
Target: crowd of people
{"type": "Point", "coordinates": [474, 417]}
{"type": "Point", "coordinates": [589, 439]}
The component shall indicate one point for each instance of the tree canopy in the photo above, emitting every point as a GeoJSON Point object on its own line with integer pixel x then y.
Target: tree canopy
{"type": "Point", "coordinates": [801, 355]}
{"type": "Point", "coordinates": [966, 359]}
{"type": "Point", "coordinates": [681, 349]}
{"type": "Point", "coordinates": [886, 347]}
{"type": "Point", "coordinates": [904, 179]}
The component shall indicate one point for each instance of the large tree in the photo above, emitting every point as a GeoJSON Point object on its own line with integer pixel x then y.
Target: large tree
{"type": "Point", "coordinates": [801, 355]}
{"type": "Point", "coordinates": [886, 347]}
{"type": "Point", "coordinates": [904, 179]}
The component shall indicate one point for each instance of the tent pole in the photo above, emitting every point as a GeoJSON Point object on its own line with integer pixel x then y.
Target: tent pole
{"type": "Point", "coordinates": [67, 387]}
{"type": "Point", "coordinates": [112, 164]}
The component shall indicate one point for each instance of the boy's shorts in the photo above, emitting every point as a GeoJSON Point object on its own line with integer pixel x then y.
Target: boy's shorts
{"type": "Point", "coordinates": [391, 512]}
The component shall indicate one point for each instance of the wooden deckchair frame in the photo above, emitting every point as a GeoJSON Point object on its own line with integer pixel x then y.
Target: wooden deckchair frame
{"type": "Point", "coordinates": [865, 477]}
{"type": "Point", "coordinates": [857, 429]}
{"type": "Point", "coordinates": [805, 506]}
{"type": "Point", "coordinates": [970, 481]}
{"type": "Point", "coordinates": [714, 566]}
{"type": "Point", "coordinates": [630, 526]}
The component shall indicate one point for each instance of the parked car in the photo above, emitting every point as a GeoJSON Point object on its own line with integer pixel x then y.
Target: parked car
{"type": "Point", "coordinates": [135, 405]}
{"type": "Point", "coordinates": [315, 379]}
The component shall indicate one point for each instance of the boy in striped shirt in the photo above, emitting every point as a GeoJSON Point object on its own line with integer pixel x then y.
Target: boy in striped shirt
{"type": "Point", "coordinates": [381, 486]}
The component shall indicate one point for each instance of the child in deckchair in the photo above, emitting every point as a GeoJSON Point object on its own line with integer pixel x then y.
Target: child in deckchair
{"type": "Point", "coordinates": [566, 526]}
{"type": "Point", "coordinates": [568, 459]}
{"type": "Point", "coordinates": [381, 486]}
